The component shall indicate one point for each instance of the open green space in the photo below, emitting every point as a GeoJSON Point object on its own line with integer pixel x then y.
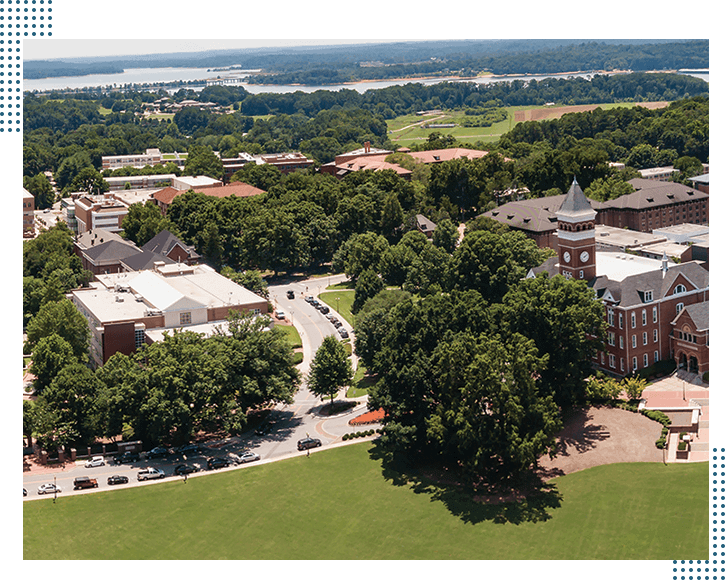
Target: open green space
{"type": "Point", "coordinates": [402, 134]}
{"type": "Point", "coordinates": [341, 301]}
{"type": "Point", "coordinates": [293, 336]}
{"type": "Point", "coordinates": [303, 508]}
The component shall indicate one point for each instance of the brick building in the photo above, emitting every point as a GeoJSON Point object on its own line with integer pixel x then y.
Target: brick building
{"type": "Point", "coordinates": [96, 212]}
{"type": "Point", "coordinates": [28, 214]}
{"type": "Point", "coordinates": [643, 298]}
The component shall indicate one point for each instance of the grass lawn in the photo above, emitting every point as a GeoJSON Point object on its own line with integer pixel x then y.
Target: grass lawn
{"type": "Point", "coordinates": [343, 305]}
{"type": "Point", "coordinates": [292, 335]}
{"type": "Point", "coordinates": [302, 508]}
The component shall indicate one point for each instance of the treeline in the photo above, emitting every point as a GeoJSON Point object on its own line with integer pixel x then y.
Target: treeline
{"type": "Point", "coordinates": [590, 56]}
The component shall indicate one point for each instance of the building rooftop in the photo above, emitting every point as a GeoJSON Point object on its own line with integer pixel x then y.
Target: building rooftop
{"type": "Point", "coordinates": [236, 189]}
{"type": "Point", "coordinates": [575, 204]}
{"type": "Point", "coordinates": [195, 181]}
{"type": "Point", "coordinates": [699, 313]}
{"type": "Point", "coordinates": [623, 238]}
{"type": "Point", "coordinates": [440, 155]}
{"type": "Point", "coordinates": [620, 265]}
{"type": "Point", "coordinates": [652, 193]}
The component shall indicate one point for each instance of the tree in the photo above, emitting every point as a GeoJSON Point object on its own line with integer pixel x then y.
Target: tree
{"type": "Point", "coordinates": [201, 160]}
{"type": "Point", "coordinates": [143, 221]}
{"type": "Point", "coordinates": [62, 319]}
{"type": "Point", "coordinates": [330, 369]}
{"type": "Point", "coordinates": [566, 322]}
{"type": "Point", "coordinates": [445, 235]}
{"type": "Point", "coordinates": [41, 189]}
{"type": "Point", "coordinates": [367, 286]}
{"type": "Point", "coordinates": [359, 253]}
{"type": "Point", "coordinates": [51, 355]}
{"type": "Point", "coordinates": [488, 414]}
{"type": "Point", "coordinates": [633, 387]}
{"type": "Point", "coordinates": [89, 181]}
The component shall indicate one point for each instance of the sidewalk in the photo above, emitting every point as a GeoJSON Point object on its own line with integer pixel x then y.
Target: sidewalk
{"type": "Point", "coordinates": [683, 391]}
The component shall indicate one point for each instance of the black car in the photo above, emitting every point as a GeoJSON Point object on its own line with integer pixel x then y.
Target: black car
{"type": "Point", "coordinates": [116, 479]}
{"type": "Point", "coordinates": [308, 443]}
{"type": "Point", "coordinates": [217, 462]}
{"type": "Point", "coordinates": [264, 428]}
{"type": "Point", "coordinates": [324, 309]}
{"type": "Point", "coordinates": [157, 452]}
{"type": "Point", "coordinates": [184, 468]}
{"type": "Point", "coordinates": [190, 449]}
{"type": "Point", "coordinates": [315, 303]}
{"type": "Point", "coordinates": [290, 294]}
{"type": "Point", "coordinates": [127, 457]}
{"type": "Point", "coordinates": [343, 332]}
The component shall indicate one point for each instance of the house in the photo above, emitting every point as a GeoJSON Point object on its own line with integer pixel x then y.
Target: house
{"type": "Point", "coordinates": [642, 297]}
{"type": "Point", "coordinates": [130, 309]}
{"type": "Point", "coordinates": [424, 225]}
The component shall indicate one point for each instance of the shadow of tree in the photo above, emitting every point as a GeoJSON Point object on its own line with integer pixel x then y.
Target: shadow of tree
{"type": "Point", "coordinates": [531, 500]}
{"type": "Point", "coordinates": [578, 433]}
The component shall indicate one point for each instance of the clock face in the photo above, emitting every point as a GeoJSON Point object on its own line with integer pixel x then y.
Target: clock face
{"type": "Point", "coordinates": [584, 256]}
{"type": "Point", "coordinates": [567, 257]}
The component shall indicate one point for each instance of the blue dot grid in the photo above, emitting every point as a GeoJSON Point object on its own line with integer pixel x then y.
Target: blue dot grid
{"type": "Point", "coordinates": [706, 570]}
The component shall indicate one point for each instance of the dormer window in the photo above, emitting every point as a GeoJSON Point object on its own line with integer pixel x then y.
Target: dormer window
{"type": "Point", "coordinates": [648, 296]}
{"type": "Point", "coordinates": [679, 289]}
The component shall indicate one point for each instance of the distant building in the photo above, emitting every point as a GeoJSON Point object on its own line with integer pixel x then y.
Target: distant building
{"type": "Point", "coordinates": [94, 212]}
{"type": "Point", "coordinates": [424, 225]}
{"type": "Point", "coordinates": [659, 173]}
{"type": "Point", "coordinates": [285, 162]}
{"type": "Point", "coordinates": [701, 182]}
{"type": "Point", "coordinates": [151, 157]}
{"type": "Point", "coordinates": [164, 197]}
{"type": "Point", "coordinates": [185, 182]}
{"type": "Point", "coordinates": [168, 245]}
{"type": "Point", "coordinates": [138, 181]}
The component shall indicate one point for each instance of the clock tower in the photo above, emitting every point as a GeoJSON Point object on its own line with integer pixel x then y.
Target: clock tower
{"type": "Point", "coordinates": [575, 233]}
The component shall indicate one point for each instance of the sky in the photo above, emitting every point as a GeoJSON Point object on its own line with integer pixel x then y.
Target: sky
{"type": "Point", "coordinates": [41, 49]}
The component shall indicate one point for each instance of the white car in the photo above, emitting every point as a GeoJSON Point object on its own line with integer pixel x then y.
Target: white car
{"type": "Point", "coordinates": [48, 488]}
{"type": "Point", "coordinates": [150, 473]}
{"type": "Point", "coordinates": [245, 457]}
{"type": "Point", "coordinates": [97, 461]}
{"type": "Point", "coordinates": [279, 314]}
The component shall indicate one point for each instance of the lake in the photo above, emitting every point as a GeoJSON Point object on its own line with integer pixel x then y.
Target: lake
{"type": "Point", "coordinates": [156, 75]}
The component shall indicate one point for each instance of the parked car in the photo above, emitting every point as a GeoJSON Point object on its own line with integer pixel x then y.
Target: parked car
{"type": "Point", "coordinates": [290, 294]}
{"type": "Point", "coordinates": [150, 473]}
{"type": "Point", "coordinates": [190, 449]}
{"type": "Point", "coordinates": [157, 452]}
{"type": "Point", "coordinates": [279, 314]}
{"type": "Point", "coordinates": [84, 482]}
{"type": "Point", "coordinates": [336, 323]}
{"type": "Point", "coordinates": [116, 479]}
{"type": "Point", "coordinates": [184, 468]}
{"type": "Point", "coordinates": [315, 303]}
{"type": "Point", "coordinates": [245, 457]}
{"type": "Point", "coordinates": [324, 309]}
{"type": "Point", "coordinates": [217, 462]}
{"type": "Point", "coordinates": [96, 461]}
{"type": "Point", "coordinates": [309, 299]}
{"type": "Point", "coordinates": [308, 443]}
{"type": "Point", "coordinates": [25, 492]}
{"type": "Point", "coordinates": [343, 332]}
{"type": "Point", "coordinates": [48, 488]}
{"type": "Point", "coordinates": [127, 457]}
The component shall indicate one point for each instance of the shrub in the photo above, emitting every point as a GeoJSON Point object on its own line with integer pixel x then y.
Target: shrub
{"type": "Point", "coordinates": [682, 446]}
{"type": "Point", "coordinates": [297, 358]}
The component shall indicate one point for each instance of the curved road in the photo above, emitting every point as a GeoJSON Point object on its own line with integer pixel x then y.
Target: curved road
{"type": "Point", "coordinates": [290, 422]}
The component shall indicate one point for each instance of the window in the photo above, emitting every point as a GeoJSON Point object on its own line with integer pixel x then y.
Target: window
{"type": "Point", "coordinates": [645, 360]}
{"type": "Point", "coordinates": [185, 318]}
{"type": "Point", "coordinates": [648, 296]}
{"type": "Point", "coordinates": [634, 363]}
{"type": "Point", "coordinates": [654, 315]}
{"type": "Point", "coordinates": [634, 341]}
{"type": "Point", "coordinates": [581, 273]}
{"type": "Point", "coordinates": [657, 356]}
{"type": "Point", "coordinates": [634, 320]}
{"type": "Point", "coordinates": [644, 340]}
{"type": "Point", "coordinates": [610, 317]}
{"type": "Point", "coordinates": [679, 307]}
{"type": "Point", "coordinates": [621, 364]}
{"type": "Point", "coordinates": [654, 335]}
{"type": "Point", "coordinates": [139, 334]}
{"type": "Point", "coordinates": [644, 318]}
{"type": "Point", "coordinates": [612, 361]}
{"type": "Point", "coordinates": [610, 338]}
{"type": "Point", "coordinates": [679, 289]}
{"type": "Point", "coordinates": [621, 341]}
{"type": "Point", "coordinates": [620, 320]}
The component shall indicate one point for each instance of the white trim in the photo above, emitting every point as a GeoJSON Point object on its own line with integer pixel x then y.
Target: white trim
{"type": "Point", "coordinates": [575, 236]}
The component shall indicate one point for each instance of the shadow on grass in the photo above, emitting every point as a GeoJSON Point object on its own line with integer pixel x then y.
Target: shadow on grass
{"type": "Point", "coordinates": [532, 500]}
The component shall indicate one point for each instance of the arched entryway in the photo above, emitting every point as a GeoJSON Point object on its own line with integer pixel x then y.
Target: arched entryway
{"type": "Point", "coordinates": [693, 366]}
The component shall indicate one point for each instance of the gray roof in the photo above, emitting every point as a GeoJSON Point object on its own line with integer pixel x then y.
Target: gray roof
{"type": "Point", "coordinates": [699, 313]}
{"type": "Point", "coordinates": [164, 241]}
{"type": "Point", "coordinates": [652, 193]}
{"type": "Point", "coordinates": [701, 179]}
{"type": "Point", "coordinates": [575, 204]}
{"type": "Point", "coordinates": [144, 260]}
{"type": "Point", "coordinates": [630, 291]}
{"type": "Point", "coordinates": [113, 251]}
{"type": "Point", "coordinates": [424, 223]}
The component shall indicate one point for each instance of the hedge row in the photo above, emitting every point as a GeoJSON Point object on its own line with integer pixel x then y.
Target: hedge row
{"type": "Point", "coordinates": [357, 434]}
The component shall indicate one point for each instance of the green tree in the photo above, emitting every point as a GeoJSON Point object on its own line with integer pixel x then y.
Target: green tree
{"type": "Point", "coordinates": [445, 235]}
{"type": "Point", "coordinates": [144, 221]}
{"type": "Point", "coordinates": [359, 253]}
{"type": "Point", "coordinates": [566, 322]}
{"type": "Point", "coordinates": [51, 355]}
{"type": "Point", "coordinates": [41, 189]}
{"type": "Point", "coordinates": [89, 181]}
{"type": "Point", "coordinates": [62, 319]}
{"type": "Point", "coordinates": [201, 160]}
{"type": "Point", "coordinates": [330, 370]}
{"type": "Point", "coordinates": [633, 387]}
{"type": "Point", "coordinates": [367, 286]}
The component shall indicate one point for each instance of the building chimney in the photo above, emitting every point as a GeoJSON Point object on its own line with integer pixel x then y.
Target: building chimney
{"type": "Point", "coordinates": [367, 146]}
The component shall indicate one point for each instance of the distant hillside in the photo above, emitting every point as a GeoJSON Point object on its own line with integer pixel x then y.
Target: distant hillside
{"type": "Point", "coordinates": [342, 63]}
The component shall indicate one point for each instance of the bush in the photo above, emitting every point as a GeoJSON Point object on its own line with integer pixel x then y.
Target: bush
{"type": "Point", "coordinates": [682, 446]}
{"type": "Point", "coordinates": [297, 358]}
{"type": "Point", "coordinates": [658, 416]}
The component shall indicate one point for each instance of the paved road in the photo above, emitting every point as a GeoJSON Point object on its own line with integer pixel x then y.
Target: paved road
{"type": "Point", "coordinates": [290, 422]}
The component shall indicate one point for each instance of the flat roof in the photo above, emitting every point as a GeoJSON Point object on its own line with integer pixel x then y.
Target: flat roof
{"type": "Point", "coordinates": [621, 237]}
{"type": "Point", "coordinates": [619, 265]}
